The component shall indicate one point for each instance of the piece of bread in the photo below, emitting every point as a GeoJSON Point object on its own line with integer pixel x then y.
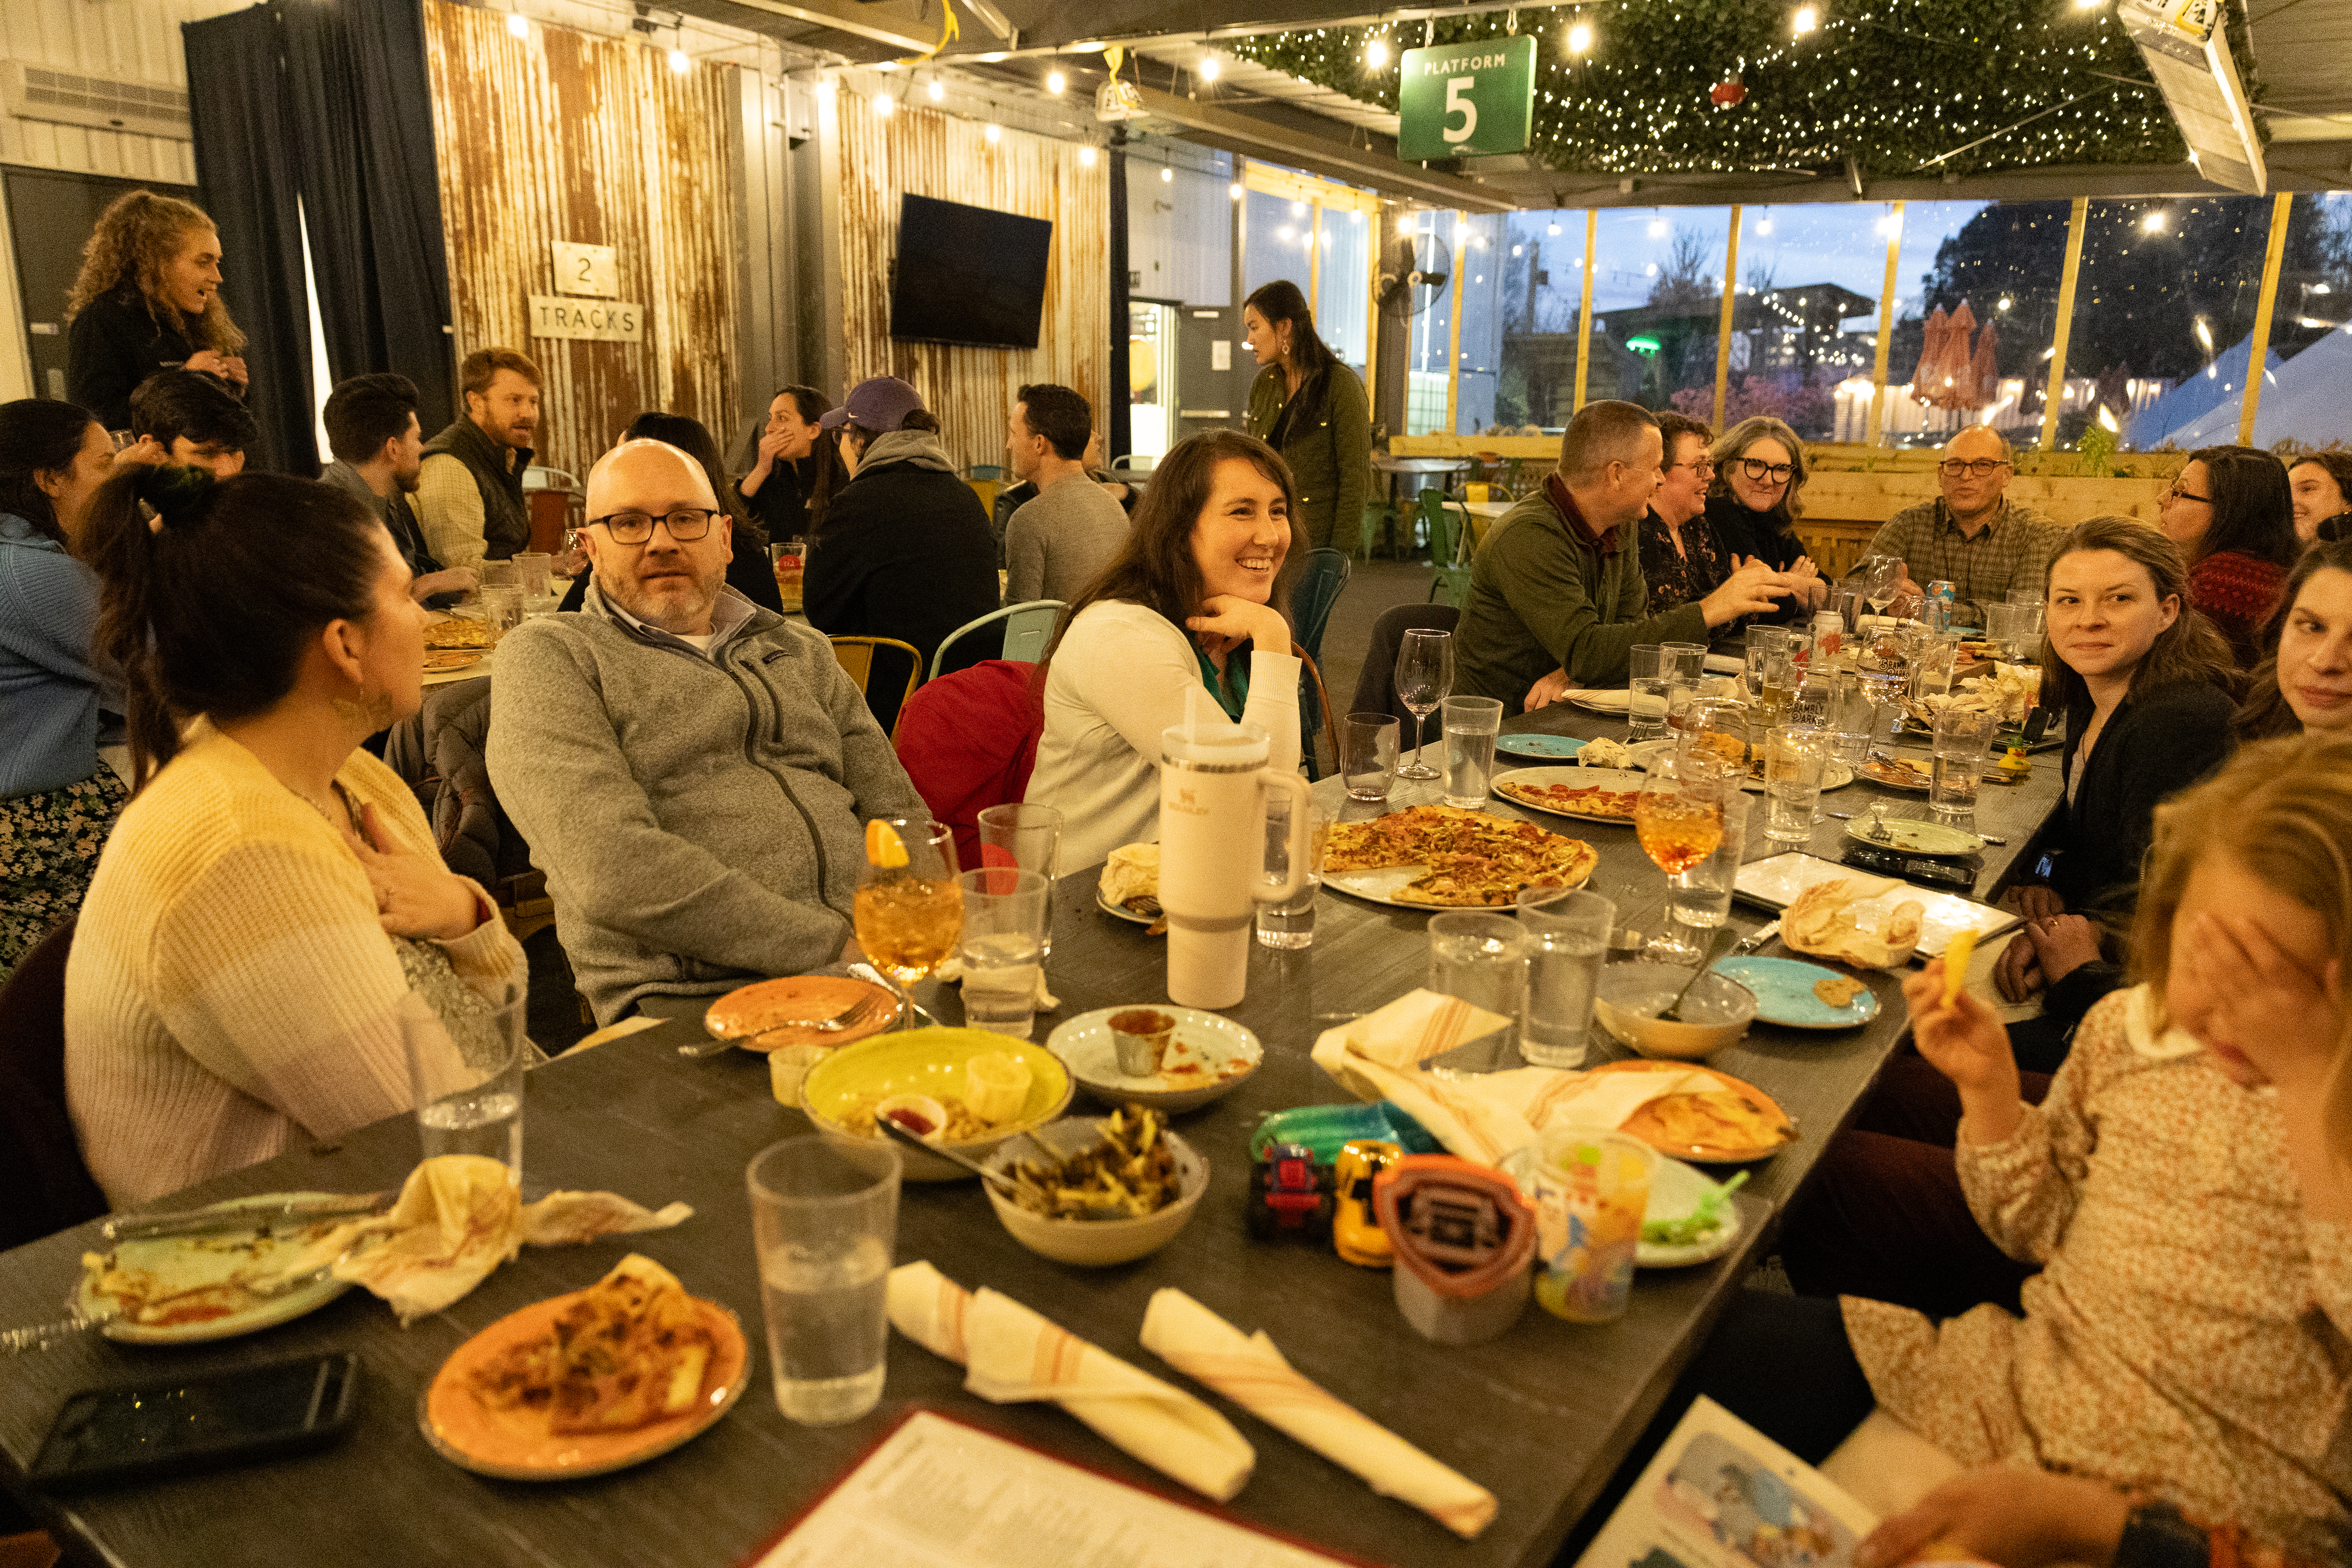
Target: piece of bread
{"type": "Point", "coordinates": [1132, 872]}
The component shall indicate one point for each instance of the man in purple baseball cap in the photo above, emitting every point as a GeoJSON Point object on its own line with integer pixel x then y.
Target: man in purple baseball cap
{"type": "Point", "coordinates": [878, 406]}
{"type": "Point", "coordinates": [904, 550]}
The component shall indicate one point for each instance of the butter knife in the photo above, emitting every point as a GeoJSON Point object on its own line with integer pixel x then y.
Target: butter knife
{"type": "Point", "coordinates": [235, 1221]}
{"type": "Point", "coordinates": [1748, 944]}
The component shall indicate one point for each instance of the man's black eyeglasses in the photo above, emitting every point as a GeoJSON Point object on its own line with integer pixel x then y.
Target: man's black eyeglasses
{"type": "Point", "coordinates": [1977, 468]}
{"type": "Point", "coordinates": [686, 524]}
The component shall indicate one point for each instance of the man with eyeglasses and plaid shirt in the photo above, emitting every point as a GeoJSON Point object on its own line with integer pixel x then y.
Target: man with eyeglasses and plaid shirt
{"type": "Point", "coordinates": [694, 773]}
{"type": "Point", "coordinates": [1973, 536]}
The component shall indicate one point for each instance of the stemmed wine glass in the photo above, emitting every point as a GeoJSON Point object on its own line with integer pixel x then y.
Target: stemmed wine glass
{"type": "Point", "coordinates": [1679, 816]}
{"type": "Point", "coordinates": [1878, 589]}
{"type": "Point", "coordinates": [909, 908]}
{"type": "Point", "coordinates": [1424, 680]}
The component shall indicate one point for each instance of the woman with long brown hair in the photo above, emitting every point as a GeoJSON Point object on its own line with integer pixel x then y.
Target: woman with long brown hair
{"type": "Point", "coordinates": [1200, 581]}
{"type": "Point", "coordinates": [147, 299]}
{"type": "Point", "coordinates": [1312, 409]}
{"type": "Point", "coordinates": [1752, 505]}
{"type": "Point", "coordinates": [271, 916]}
{"type": "Point", "coordinates": [2305, 684]}
{"type": "Point", "coordinates": [2147, 687]}
{"type": "Point", "coordinates": [2232, 511]}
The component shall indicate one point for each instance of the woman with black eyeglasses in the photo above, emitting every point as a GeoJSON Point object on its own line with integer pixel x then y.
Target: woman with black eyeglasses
{"type": "Point", "coordinates": [1760, 471]}
{"type": "Point", "coordinates": [2232, 514]}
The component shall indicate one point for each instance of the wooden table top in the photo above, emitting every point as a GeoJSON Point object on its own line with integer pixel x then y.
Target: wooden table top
{"type": "Point", "coordinates": [1539, 1416]}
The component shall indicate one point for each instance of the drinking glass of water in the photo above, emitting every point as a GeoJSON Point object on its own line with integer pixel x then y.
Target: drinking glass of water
{"type": "Point", "coordinates": [1004, 947]}
{"type": "Point", "coordinates": [1425, 675]}
{"type": "Point", "coordinates": [1572, 928]}
{"type": "Point", "coordinates": [1029, 836]}
{"type": "Point", "coordinates": [1645, 692]}
{"type": "Point", "coordinates": [1471, 726]}
{"type": "Point", "coordinates": [1483, 960]}
{"type": "Point", "coordinates": [464, 1072]}
{"type": "Point", "coordinates": [1963, 738]}
{"type": "Point", "coordinates": [825, 1220]}
{"type": "Point", "coordinates": [1291, 923]}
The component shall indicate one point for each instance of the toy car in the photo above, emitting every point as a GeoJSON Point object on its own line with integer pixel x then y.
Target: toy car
{"type": "Point", "coordinates": [1356, 1235]}
{"type": "Point", "coordinates": [1290, 1195]}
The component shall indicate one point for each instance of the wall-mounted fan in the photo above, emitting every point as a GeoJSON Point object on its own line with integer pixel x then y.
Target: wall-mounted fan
{"type": "Point", "coordinates": [1411, 278]}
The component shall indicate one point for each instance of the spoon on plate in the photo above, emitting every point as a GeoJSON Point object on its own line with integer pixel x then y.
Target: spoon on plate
{"type": "Point", "coordinates": [1670, 1014]}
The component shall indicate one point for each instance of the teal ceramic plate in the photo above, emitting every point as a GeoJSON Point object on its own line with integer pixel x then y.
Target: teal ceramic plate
{"type": "Point", "coordinates": [1784, 994]}
{"type": "Point", "coordinates": [1538, 746]}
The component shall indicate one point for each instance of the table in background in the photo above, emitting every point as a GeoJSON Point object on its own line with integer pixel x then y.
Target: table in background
{"type": "Point", "coordinates": [1540, 1416]}
{"type": "Point", "coordinates": [1394, 470]}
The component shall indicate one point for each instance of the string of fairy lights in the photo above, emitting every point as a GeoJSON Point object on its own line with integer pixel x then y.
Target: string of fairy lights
{"type": "Point", "coordinates": [1690, 86]}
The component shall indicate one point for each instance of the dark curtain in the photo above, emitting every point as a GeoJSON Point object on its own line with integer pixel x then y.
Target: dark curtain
{"type": "Point", "coordinates": [359, 106]}
{"type": "Point", "coordinates": [1118, 433]}
{"type": "Point", "coordinates": [245, 166]}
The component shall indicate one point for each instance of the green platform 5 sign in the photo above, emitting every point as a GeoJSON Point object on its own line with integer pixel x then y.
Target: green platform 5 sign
{"type": "Point", "coordinates": [1465, 100]}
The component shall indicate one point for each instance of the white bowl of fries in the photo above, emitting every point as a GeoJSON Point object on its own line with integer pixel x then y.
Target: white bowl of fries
{"type": "Point", "coordinates": [1097, 1174]}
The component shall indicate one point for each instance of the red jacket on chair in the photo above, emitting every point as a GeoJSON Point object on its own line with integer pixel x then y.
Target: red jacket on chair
{"type": "Point", "coordinates": [969, 739]}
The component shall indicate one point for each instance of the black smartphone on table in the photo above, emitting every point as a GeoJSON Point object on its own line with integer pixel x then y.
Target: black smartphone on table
{"type": "Point", "coordinates": [104, 1436]}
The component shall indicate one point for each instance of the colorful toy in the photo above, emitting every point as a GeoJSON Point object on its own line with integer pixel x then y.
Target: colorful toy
{"type": "Point", "coordinates": [1355, 1233]}
{"type": "Point", "coordinates": [1290, 1195]}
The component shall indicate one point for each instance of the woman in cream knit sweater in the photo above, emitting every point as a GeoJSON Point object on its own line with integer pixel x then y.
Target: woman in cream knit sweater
{"type": "Point", "coordinates": [271, 914]}
{"type": "Point", "coordinates": [1200, 579]}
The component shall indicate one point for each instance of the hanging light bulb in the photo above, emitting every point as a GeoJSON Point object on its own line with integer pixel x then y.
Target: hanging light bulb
{"type": "Point", "coordinates": [518, 23]}
{"type": "Point", "coordinates": [1234, 190]}
{"type": "Point", "coordinates": [992, 132]}
{"type": "Point", "coordinates": [2204, 334]}
{"type": "Point", "coordinates": [1580, 37]}
{"type": "Point", "coordinates": [1376, 54]}
{"type": "Point", "coordinates": [1209, 67]}
{"type": "Point", "coordinates": [1056, 81]}
{"type": "Point", "coordinates": [680, 61]}
{"type": "Point", "coordinates": [1554, 231]}
{"type": "Point", "coordinates": [1763, 226]}
{"type": "Point", "coordinates": [1086, 157]}
{"type": "Point", "coordinates": [1657, 229]}
{"type": "Point", "coordinates": [2154, 221]}
{"type": "Point", "coordinates": [938, 90]}
{"type": "Point", "coordinates": [884, 105]}
{"type": "Point", "coordinates": [1807, 18]}
{"type": "Point", "coordinates": [1298, 209]}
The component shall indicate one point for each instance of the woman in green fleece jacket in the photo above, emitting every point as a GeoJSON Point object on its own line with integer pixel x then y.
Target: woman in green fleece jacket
{"type": "Point", "coordinates": [1311, 408]}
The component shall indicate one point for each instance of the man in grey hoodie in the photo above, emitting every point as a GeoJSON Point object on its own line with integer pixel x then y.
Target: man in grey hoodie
{"type": "Point", "coordinates": [693, 773]}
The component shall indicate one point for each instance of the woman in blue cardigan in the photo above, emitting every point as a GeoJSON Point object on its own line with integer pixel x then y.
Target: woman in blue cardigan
{"type": "Point", "coordinates": [57, 706]}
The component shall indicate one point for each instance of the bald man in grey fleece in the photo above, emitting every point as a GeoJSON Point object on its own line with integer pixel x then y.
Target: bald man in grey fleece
{"type": "Point", "coordinates": [694, 772]}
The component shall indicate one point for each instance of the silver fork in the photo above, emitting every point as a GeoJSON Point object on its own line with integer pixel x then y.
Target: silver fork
{"type": "Point", "coordinates": [850, 1018]}
{"type": "Point", "coordinates": [41, 1336]}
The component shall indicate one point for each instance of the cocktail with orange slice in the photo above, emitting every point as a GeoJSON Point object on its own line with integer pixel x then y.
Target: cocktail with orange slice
{"type": "Point", "coordinates": [909, 910]}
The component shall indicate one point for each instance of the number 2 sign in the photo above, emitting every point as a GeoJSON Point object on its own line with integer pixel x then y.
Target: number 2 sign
{"type": "Point", "coordinates": [586, 269]}
{"type": "Point", "coordinates": [1461, 100]}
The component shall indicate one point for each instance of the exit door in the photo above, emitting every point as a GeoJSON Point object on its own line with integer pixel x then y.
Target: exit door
{"type": "Point", "coordinates": [1213, 370]}
{"type": "Point", "coordinates": [51, 216]}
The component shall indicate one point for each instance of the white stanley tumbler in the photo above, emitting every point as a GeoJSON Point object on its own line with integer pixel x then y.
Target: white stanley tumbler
{"type": "Point", "coordinates": [1213, 786]}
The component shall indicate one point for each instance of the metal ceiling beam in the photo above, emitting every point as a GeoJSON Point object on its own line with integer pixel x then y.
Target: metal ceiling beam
{"type": "Point", "coordinates": [1375, 166]}
{"type": "Point", "coordinates": [1049, 29]}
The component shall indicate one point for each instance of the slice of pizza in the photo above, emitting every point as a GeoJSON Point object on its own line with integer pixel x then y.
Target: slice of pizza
{"type": "Point", "coordinates": [631, 1349]}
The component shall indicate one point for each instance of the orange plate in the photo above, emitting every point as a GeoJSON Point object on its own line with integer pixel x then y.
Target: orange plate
{"type": "Point", "coordinates": [806, 997]}
{"type": "Point", "coordinates": [1642, 1126]}
{"type": "Point", "coordinates": [515, 1446]}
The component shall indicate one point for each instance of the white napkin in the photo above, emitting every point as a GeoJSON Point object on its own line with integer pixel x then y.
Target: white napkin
{"type": "Point", "coordinates": [1479, 1116]}
{"type": "Point", "coordinates": [1249, 1371]}
{"type": "Point", "coordinates": [949, 970]}
{"type": "Point", "coordinates": [457, 1218]}
{"type": "Point", "coordinates": [1014, 1354]}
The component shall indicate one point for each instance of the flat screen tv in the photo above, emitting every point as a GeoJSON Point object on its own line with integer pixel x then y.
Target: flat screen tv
{"type": "Point", "coordinates": [968, 275]}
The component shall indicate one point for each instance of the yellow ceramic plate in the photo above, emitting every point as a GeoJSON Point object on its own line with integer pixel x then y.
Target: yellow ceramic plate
{"type": "Point", "coordinates": [931, 1062]}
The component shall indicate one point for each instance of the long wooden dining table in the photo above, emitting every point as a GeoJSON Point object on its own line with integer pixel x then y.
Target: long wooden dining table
{"type": "Point", "coordinates": [1541, 1415]}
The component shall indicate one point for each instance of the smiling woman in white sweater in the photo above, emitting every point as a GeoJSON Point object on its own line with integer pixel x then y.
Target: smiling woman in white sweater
{"type": "Point", "coordinates": [1197, 584]}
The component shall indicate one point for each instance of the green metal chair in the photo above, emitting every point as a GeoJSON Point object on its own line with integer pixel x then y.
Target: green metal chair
{"type": "Point", "coordinates": [1373, 527]}
{"type": "Point", "coordinates": [1028, 628]}
{"type": "Point", "coordinates": [1449, 547]}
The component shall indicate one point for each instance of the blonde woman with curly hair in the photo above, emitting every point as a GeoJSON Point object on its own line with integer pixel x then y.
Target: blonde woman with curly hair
{"type": "Point", "coordinates": [147, 299]}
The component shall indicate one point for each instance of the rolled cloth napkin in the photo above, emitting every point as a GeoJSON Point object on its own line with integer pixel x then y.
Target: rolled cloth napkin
{"type": "Point", "coordinates": [1014, 1354]}
{"type": "Point", "coordinates": [1251, 1373]}
{"type": "Point", "coordinates": [457, 1218]}
{"type": "Point", "coordinates": [1479, 1116]}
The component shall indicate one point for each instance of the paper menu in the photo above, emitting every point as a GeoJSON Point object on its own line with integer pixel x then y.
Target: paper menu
{"type": "Point", "coordinates": [1776, 880]}
{"type": "Point", "coordinates": [940, 1494]}
{"type": "Point", "coordinates": [1720, 1494]}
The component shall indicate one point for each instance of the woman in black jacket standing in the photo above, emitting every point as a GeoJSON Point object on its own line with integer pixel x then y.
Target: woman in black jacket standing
{"type": "Point", "coordinates": [903, 550]}
{"type": "Point", "coordinates": [147, 299]}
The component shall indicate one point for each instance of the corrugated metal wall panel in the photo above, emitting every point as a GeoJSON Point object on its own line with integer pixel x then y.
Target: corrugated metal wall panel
{"type": "Point", "coordinates": [136, 40]}
{"type": "Point", "coordinates": [929, 154]}
{"type": "Point", "coordinates": [564, 136]}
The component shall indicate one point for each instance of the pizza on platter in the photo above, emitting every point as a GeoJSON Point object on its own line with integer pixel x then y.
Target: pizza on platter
{"type": "Point", "coordinates": [1469, 858]}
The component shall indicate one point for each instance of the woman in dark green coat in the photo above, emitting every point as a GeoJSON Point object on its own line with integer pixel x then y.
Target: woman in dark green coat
{"type": "Point", "coordinates": [1311, 408]}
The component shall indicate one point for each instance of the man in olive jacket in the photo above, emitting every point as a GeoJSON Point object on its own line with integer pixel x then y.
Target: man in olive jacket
{"type": "Point", "coordinates": [693, 773]}
{"type": "Point", "coordinates": [1556, 591]}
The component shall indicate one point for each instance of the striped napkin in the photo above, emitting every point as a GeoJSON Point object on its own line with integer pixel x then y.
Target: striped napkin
{"type": "Point", "coordinates": [1014, 1354]}
{"type": "Point", "coordinates": [1251, 1373]}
